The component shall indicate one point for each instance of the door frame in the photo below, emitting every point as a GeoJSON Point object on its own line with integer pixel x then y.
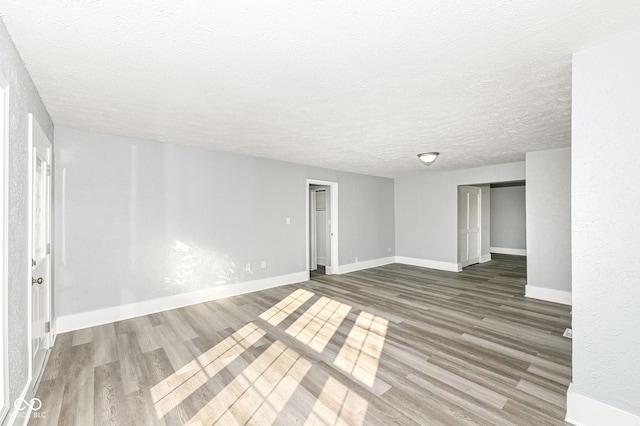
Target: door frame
{"type": "Point", "coordinates": [465, 263]}
{"type": "Point", "coordinates": [313, 232]}
{"type": "Point", "coordinates": [333, 268]}
{"type": "Point", "coordinates": [35, 130]}
{"type": "Point", "coordinates": [4, 215]}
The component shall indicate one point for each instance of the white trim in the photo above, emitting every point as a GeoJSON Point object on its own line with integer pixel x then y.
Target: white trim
{"type": "Point", "coordinates": [433, 264]}
{"type": "Point", "coordinates": [313, 232]}
{"type": "Point", "coordinates": [4, 249]}
{"type": "Point", "coordinates": [584, 411]}
{"type": "Point", "coordinates": [333, 205]}
{"type": "Point", "coordinates": [504, 250]}
{"type": "Point", "coordinates": [548, 294]}
{"type": "Point", "coordinates": [54, 330]}
{"type": "Point", "coordinates": [35, 131]}
{"type": "Point", "coordinates": [465, 230]}
{"type": "Point", "coordinates": [81, 320]}
{"type": "Point", "coordinates": [358, 266]}
{"type": "Point", "coordinates": [29, 249]}
{"type": "Point", "coordinates": [13, 413]}
{"type": "Point", "coordinates": [485, 258]}
{"type": "Point", "coordinates": [468, 262]}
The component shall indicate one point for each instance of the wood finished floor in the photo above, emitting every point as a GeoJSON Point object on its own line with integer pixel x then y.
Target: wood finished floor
{"type": "Point", "coordinates": [389, 345]}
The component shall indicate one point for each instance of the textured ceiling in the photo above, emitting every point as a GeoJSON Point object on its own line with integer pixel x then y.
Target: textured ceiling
{"type": "Point", "coordinates": [361, 86]}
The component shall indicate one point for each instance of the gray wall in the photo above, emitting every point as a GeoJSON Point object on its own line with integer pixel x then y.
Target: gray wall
{"type": "Point", "coordinates": [427, 209]}
{"type": "Point", "coordinates": [24, 99]}
{"type": "Point", "coordinates": [142, 220]}
{"type": "Point", "coordinates": [549, 219]}
{"type": "Point", "coordinates": [508, 213]}
{"type": "Point", "coordinates": [606, 290]}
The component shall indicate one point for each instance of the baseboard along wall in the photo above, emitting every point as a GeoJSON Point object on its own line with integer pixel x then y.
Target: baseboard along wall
{"type": "Point", "coordinates": [358, 266]}
{"type": "Point", "coordinates": [512, 251]}
{"type": "Point", "coordinates": [433, 264]}
{"type": "Point", "coordinates": [584, 411]}
{"type": "Point", "coordinates": [82, 320]}
{"type": "Point", "coordinates": [71, 322]}
{"type": "Point", "coordinates": [548, 294]}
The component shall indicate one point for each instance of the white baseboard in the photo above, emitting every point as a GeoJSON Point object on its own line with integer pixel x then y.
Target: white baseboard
{"type": "Point", "coordinates": [81, 320]}
{"type": "Point", "coordinates": [433, 264]}
{"type": "Point", "coordinates": [358, 266]}
{"type": "Point", "coordinates": [548, 294]}
{"type": "Point", "coordinates": [485, 258]}
{"type": "Point", "coordinates": [584, 411]}
{"type": "Point", "coordinates": [503, 250]}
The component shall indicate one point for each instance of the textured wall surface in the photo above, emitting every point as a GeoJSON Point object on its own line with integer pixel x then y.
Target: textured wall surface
{"type": "Point", "coordinates": [548, 199]}
{"type": "Point", "coordinates": [606, 283]}
{"type": "Point", "coordinates": [508, 217]}
{"type": "Point", "coordinates": [427, 209]}
{"type": "Point", "coordinates": [23, 99]}
{"type": "Point", "coordinates": [139, 220]}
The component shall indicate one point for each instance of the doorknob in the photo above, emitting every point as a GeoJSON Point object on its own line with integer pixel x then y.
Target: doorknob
{"type": "Point", "coordinates": [36, 281]}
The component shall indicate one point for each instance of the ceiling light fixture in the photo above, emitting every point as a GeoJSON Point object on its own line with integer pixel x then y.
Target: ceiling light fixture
{"type": "Point", "coordinates": [428, 158]}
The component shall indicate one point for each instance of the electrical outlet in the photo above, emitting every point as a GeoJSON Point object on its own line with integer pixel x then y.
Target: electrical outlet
{"type": "Point", "coordinates": [287, 220]}
{"type": "Point", "coordinates": [247, 267]}
{"type": "Point", "coordinates": [356, 260]}
{"type": "Point", "coordinates": [389, 249]}
{"type": "Point", "coordinates": [264, 264]}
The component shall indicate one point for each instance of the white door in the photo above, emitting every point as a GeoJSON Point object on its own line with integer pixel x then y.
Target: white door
{"type": "Point", "coordinates": [469, 222]}
{"type": "Point", "coordinates": [40, 225]}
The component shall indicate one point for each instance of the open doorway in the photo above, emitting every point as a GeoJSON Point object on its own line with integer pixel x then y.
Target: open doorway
{"type": "Point", "coordinates": [487, 226]}
{"type": "Point", "coordinates": [322, 227]}
{"type": "Point", "coordinates": [508, 218]}
{"type": "Point", "coordinates": [319, 228]}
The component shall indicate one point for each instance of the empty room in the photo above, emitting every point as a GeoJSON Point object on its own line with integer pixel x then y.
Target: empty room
{"type": "Point", "coordinates": [319, 213]}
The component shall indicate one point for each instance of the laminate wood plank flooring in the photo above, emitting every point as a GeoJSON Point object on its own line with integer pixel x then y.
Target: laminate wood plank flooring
{"type": "Point", "coordinates": [390, 345]}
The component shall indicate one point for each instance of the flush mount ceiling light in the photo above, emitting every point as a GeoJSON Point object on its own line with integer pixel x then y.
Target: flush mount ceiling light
{"type": "Point", "coordinates": [428, 158]}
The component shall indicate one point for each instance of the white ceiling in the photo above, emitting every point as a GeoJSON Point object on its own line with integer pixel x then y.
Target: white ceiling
{"type": "Point", "coordinates": [361, 85]}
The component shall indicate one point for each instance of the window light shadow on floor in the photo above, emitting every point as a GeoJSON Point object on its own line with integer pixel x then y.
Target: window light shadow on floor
{"type": "Point", "coordinates": [338, 405]}
{"type": "Point", "coordinates": [281, 311]}
{"type": "Point", "coordinates": [169, 393]}
{"type": "Point", "coordinates": [318, 324]}
{"type": "Point", "coordinates": [259, 393]}
{"type": "Point", "coordinates": [360, 354]}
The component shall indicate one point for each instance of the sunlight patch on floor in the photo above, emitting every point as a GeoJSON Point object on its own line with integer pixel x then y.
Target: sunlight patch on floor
{"type": "Point", "coordinates": [260, 392]}
{"type": "Point", "coordinates": [337, 405]}
{"type": "Point", "coordinates": [278, 313]}
{"type": "Point", "coordinates": [360, 354]}
{"type": "Point", "coordinates": [170, 392]}
{"type": "Point", "coordinates": [318, 324]}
